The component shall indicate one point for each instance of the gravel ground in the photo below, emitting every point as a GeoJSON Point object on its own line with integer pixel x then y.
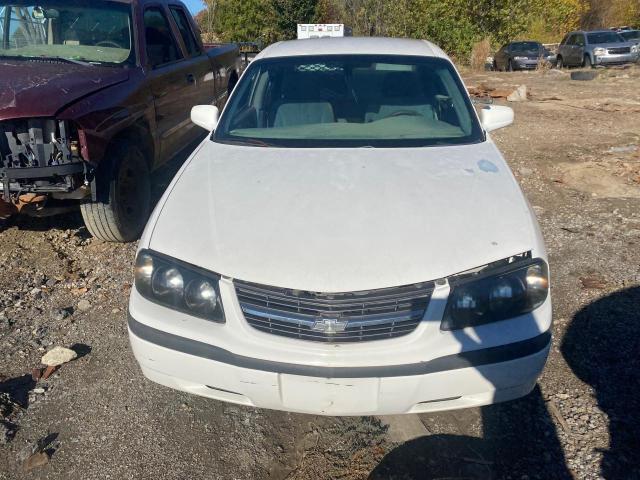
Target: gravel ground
{"type": "Point", "coordinates": [575, 148]}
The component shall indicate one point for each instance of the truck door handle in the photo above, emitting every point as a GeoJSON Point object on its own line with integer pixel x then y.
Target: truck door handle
{"type": "Point", "coordinates": [191, 78]}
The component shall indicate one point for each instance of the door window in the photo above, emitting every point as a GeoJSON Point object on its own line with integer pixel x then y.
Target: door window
{"type": "Point", "coordinates": [161, 46]}
{"type": "Point", "coordinates": [185, 31]}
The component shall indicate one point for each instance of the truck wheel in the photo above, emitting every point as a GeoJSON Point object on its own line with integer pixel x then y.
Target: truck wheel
{"type": "Point", "coordinates": [559, 63]}
{"type": "Point", "coordinates": [586, 63]}
{"type": "Point", "coordinates": [124, 201]}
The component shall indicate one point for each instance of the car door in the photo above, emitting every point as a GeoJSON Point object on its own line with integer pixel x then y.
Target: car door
{"type": "Point", "coordinates": [563, 46]}
{"type": "Point", "coordinates": [171, 79]}
{"type": "Point", "coordinates": [197, 63]}
{"type": "Point", "coordinates": [567, 50]}
{"type": "Point", "coordinates": [579, 49]}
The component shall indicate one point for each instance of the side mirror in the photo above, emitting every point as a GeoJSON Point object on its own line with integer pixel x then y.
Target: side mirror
{"type": "Point", "coordinates": [205, 116]}
{"type": "Point", "coordinates": [494, 117]}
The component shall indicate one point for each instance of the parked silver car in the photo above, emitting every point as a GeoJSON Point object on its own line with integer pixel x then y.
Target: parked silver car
{"type": "Point", "coordinates": [589, 49]}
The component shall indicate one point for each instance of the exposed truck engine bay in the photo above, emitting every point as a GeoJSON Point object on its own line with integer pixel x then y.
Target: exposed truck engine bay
{"type": "Point", "coordinates": [39, 156]}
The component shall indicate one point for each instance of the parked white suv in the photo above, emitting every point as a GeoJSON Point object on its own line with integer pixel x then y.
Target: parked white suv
{"type": "Point", "coordinates": [348, 241]}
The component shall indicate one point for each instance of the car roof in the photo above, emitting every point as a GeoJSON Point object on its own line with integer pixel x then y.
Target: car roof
{"type": "Point", "coordinates": [517, 42]}
{"type": "Point", "coordinates": [352, 46]}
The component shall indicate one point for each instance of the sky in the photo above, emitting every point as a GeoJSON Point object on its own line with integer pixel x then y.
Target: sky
{"type": "Point", "coordinates": [194, 5]}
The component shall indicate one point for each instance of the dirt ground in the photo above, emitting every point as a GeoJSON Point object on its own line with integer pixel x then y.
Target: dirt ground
{"type": "Point", "coordinates": [575, 149]}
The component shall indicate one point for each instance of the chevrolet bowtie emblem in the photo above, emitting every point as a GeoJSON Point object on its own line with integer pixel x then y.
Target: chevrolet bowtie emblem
{"type": "Point", "coordinates": [330, 326]}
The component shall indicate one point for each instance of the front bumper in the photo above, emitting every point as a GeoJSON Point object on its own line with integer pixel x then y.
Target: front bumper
{"type": "Point", "coordinates": [428, 370]}
{"type": "Point", "coordinates": [616, 59]}
{"type": "Point", "coordinates": [530, 64]}
{"type": "Point", "coordinates": [57, 178]}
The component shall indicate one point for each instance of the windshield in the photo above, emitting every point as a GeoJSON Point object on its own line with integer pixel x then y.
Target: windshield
{"type": "Point", "coordinates": [604, 37]}
{"type": "Point", "coordinates": [631, 35]}
{"type": "Point", "coordinates": [526, 47]}
{"type": "Point", "coordinates": [350, 100]}
{"type": "Point", "coordinates": [96, 32]}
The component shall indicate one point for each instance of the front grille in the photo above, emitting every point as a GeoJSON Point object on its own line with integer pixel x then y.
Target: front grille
{"type": "Point", "coordinates": [619, 50]}
{"type": "Point", "coordinates": [337, 317]}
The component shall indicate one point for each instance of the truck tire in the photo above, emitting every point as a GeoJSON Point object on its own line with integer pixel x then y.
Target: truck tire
{"type": "Point", "coordinates": [123, 200]}
{"type": "Point", "coordinates": [560, 63]}
{"type": "Point", "coordinates": [586, 62]}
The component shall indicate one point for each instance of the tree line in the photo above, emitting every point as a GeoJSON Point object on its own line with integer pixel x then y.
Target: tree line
{"type": "Point", "coordinates": [455, 25]}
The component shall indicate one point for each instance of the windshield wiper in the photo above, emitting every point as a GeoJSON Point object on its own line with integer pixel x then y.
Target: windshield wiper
{"type": "Point", "coordinates": [247, 141]}
{"type": "Point", "coordinates": [64, 60]}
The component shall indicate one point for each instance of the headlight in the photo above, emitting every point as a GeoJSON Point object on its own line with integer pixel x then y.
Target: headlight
{"type": "Point", "coordinates": [635, 49]}
{"type": "Point", "coordinates": [599, 51]}
{"type": "Point", "coordinates": [179, 286]}
{"type": "Point", "coordinates": [496, 295]}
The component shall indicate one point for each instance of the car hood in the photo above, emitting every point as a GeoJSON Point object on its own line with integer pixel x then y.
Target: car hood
{"type": "Point", "coordinates": [338, 220]}
{"type": "Point", "coordinates": [531, 54]}
{"type": "Point", "coordinates": [41, 89]}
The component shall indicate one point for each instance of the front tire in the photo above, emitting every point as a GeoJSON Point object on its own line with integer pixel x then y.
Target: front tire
{"type": "Point", "coordinates": [559, 63]}
{"type": "Point", "coordinates": [124, 196]}
{"type": "Point", "coordinates": [510, 66]}
{"type": "Point", "coordinates": [586, 62]}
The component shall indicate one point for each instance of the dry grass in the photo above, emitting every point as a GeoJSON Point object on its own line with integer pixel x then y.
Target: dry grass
{"type": "Point", "coordinates": [481, 50]}
{"type": "Point", "coordinates": [543, 66]}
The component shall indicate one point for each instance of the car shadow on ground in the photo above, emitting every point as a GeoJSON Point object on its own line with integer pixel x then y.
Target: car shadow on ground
{"type": "Point", "coordinates": [602, 347]}
{"type": "Point", "coordinates": [519, 440]}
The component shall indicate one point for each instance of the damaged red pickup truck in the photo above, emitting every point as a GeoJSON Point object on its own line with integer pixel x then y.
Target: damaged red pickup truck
{"type": "Point", "coordinates": [95, 95]}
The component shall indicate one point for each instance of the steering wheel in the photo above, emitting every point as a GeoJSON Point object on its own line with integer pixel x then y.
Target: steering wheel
{"type": "Point", "coordinates": [403, 113]}
{"type": "Point", "coordinates": [108, 43]}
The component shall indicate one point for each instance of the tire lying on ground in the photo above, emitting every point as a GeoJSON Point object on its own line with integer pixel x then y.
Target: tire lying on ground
{"type": "Point", "coordinates": [123, 202]}
{"type": "Point", "coordinates": [583, 75]}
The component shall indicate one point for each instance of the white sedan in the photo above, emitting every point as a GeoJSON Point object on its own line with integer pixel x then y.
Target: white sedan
{"type": "Point", "coordinates": [347, 241]}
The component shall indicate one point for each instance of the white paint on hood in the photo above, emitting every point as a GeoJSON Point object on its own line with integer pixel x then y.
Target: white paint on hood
{"type": "Point", "coordinates": [337, 220]}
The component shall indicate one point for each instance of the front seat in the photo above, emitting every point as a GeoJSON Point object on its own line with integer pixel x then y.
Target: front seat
{"type": "Point", "coordinates": [303, 113]}
{"type": "Point", "coordinates": [401, 93]}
